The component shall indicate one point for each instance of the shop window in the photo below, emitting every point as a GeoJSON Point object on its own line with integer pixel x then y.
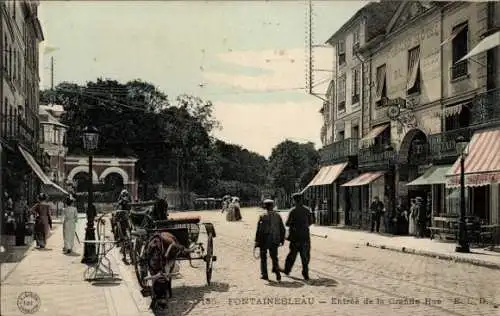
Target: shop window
{"type": "Point", "coordinates": [453, 202]}
{"type": "Point", "coordinates": [481, 202]}
{"type": "Point", "coordinates": [381, 85]}
{"type": "Point", "coordinates": [460, 45]}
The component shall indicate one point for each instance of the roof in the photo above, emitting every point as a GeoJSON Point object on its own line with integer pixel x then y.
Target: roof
{"type": "Point", "coordinates": [380, 13]}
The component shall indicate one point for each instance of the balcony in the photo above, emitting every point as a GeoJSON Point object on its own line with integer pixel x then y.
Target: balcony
{"type": "Point", "coordinates": [443, 146]}
{"type": "Point", "coordinates": [376, 158]}
{"type": "Point", "coordinates": [339, 151]}
{"type": "Point", "coordinates": [485, 109]}
{"type": "Point", "coordinates": [17, 131]}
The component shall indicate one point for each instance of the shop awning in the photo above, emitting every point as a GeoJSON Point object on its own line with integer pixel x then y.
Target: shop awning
{"type": "Point", "coordinates": [369, 139]}
{"type": "Point", "coordinates": [327, 175]}
{"type": "Point", "coordinates": [482, 164]}
{"type": "Point", "coordinates": [435, 175]}
{"type": "Point", "coordinates": [39, 171]}
{"type": "Point", "coordinates": [363, 179]}
{"type": "Point", "coordinates": [486, 44]}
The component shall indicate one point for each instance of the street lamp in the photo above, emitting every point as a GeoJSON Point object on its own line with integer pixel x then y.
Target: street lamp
{"type": "Point", "coordinates": [90, 142]}
{"type": "Point", "coordinates": [463, 242]}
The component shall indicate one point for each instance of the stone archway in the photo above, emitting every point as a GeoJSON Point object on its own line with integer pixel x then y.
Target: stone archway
{"type": "Point", "coordinates": [116, 170]}
{"type": "Point", "coordinates": [409, 145]}
{"type": "Point", "coordinates": [84, 169]}
{"type": "Point", "coordinates": [113, 183]}
{"type": "Point", "coordinates": [81, 181]}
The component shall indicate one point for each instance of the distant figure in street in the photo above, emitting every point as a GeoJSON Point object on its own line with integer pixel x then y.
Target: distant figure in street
{"type": "Point", "coordinates": [421, 217]}
{"type": "Point", "coordinates": [160, 210]}
{"type": "Point", "coordinates": [269, 236]}
{"type": "Point", "coordinates": [124, 200]}
{"type": "Point", "coordinates": [42, 213]}
{"type": "Point", "coordinates": [376, 209]}
{"type": "Point", "coordinates": [69, 225]}
{"type": "Point", "coordinates": [412, 226]}
{"type": "Point", "coordinates": [298, 222]}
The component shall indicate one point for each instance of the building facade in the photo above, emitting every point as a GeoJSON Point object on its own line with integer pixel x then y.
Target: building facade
{"type": "Point", "coordinates": [20, 35]}
{"type": "Point", "coordinates": [420, 89]}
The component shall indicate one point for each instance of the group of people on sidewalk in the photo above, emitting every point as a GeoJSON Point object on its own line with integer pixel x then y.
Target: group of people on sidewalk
{"type": "Point", "coordinates": [399, 221]}
{"type": "Point", "coordinates": [270, 235]}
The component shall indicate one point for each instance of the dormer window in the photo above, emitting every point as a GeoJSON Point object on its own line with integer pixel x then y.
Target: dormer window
{"type": "Point", "coordinates": [355, 40]}
{"type": "Point", "coordinates": [341, 52]}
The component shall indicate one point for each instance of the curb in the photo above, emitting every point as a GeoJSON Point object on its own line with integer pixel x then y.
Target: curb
{"type": "Point", "coordinates": [437, 255]}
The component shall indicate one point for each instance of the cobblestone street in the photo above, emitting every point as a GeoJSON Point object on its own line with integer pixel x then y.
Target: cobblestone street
{"type": "Point", "coordinates": [345, 280]}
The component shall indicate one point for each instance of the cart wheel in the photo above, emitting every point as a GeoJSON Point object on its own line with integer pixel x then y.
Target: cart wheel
{"type": "Point", "coordinates": [209, 258]}
{"type": "Point", "coordinates": [139, 266]}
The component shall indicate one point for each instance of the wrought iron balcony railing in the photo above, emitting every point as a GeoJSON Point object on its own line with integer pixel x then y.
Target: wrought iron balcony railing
{"type": "Point", "coordinates": [339, 151]}
{"type": "Point", "coordinates": [15, 129]}
{"type": "Point", "coordinates": [486, 108]}
{"type": "Point", "coordinates": [460, 69]}
{"type": "Point", "coordinates": [444, 145]}
{"type": "Point", "coordinates": [376, 157]}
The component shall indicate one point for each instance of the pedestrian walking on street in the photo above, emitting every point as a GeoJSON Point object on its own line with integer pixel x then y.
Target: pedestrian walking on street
{"type": "Point", "coordinates": [70, 219]}
{"type": "Point", "coordinates": [270, 236]}
{"type": "Point", "coordinates": [376, 209]}
{"type": "Point", "coordinates": [42, 213]}
{"type": "Point", "coordinates": [421, 217]}
{"type": "Point", "coordinates": [298, 222]}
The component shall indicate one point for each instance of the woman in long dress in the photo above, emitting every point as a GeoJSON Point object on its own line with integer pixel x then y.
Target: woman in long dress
{"type": "Point", "coordinates": [42, 213]}
{"type": "Point", "coordinates": [69, 225]}
{"type": "Point", "coordinates": [412, 219]}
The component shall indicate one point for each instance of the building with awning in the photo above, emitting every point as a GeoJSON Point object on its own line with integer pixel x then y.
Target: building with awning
{"type": "Point", "coordinates": [49, 187]}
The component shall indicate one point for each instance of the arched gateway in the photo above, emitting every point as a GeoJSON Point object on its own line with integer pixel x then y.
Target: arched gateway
{"type": "Point", "coordinates": [103, 168]}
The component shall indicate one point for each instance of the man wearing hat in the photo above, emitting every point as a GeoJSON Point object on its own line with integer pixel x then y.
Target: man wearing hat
{"type": "Point", "coordinates": [269, 236]}
{"type": "Point", "coordinates": [298, 222]}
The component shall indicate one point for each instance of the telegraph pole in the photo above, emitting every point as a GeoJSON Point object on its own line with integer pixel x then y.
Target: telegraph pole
{"type": "Point", "coordinates": [52, 73]}
{"type": "Point", "coordinates": [310, 49]}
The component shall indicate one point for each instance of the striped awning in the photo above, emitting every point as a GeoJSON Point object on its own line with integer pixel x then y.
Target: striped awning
{"type": "Point", "coordinates": [327, 175]}
{"type": "Point", "coordinates": [482, 163]}
{"type": "Point", "coordinates": [40, 174]}
{"type": "Point", "coordinates": [369, 139]}
{"type": "Point", "coordinates": [363, 179]}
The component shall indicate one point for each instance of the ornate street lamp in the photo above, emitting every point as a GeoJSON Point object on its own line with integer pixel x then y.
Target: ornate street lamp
{"type": "Point", "coordinates": [463, 242]}
{"type": "Point", "coordinates": [90, 143]}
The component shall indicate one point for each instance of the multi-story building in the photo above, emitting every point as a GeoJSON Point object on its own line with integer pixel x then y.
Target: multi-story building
{"type": "Point", "coordinates": [20, 35]}
{"type": "Point", "coordinates": [421, 89]}
{"type": "Point", "coordinates": [52, 136]}
{"type": "Point", "coordinates": [343, 114]}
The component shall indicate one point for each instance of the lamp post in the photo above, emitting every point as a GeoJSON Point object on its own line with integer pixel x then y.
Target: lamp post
{"type": "Point", "coordinates": [463, 242]}
{"type": "Point", "coordinates": [392, 186]}
{"type": "Point", "coordinates": [90, 142]}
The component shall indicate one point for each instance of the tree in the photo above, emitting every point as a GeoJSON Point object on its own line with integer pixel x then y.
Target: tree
{"type": "Point", "coordinates": [291, 164]}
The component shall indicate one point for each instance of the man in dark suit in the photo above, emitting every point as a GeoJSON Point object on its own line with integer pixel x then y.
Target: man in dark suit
{"type": "Point", "coordinates": [269, 236]}
{"type": "Point", "coordinates": [299, 220]}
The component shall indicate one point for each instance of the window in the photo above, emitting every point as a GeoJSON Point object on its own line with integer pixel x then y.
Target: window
{"type": "Point", "coordinates": [341, 94]}
{"type": "Point", "coordinates": [380, 85]}
{"type": "Point", "coordinates": [413, 74]}
{"type": "Point", "coordinates": [341, 136]}
{"type": "Point", "coordinates": [355, 39]}
{"type": "Point", "coordinates": [341, 52]}
{"type": "Point", "coordinates": [460, 45]}
{"type": "Point", "coordinates": [356, 85]}
{"type": "Point", "coordinates": [355, 131]}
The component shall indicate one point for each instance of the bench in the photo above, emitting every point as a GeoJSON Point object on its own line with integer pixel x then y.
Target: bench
{"type": "Point", "coordinates": [445, 227]}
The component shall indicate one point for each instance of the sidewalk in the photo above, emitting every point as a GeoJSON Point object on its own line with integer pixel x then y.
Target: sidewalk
{"type": "Point", "coordinates": [408, 244]}
{"type": "Point", "coordinates": [57, 280]}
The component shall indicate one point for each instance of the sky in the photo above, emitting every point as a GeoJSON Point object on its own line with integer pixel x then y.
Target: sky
{"type": "Point", "coordinates": [247, 57]}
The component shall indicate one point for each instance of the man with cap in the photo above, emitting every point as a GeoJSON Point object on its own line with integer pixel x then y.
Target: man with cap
{"type": "Point", "coordinates": [269, 236]}
{"type": "Point", "coordinates": [298, 222]}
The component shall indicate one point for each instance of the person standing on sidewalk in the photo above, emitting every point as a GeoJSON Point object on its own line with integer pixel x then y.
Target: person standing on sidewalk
{"type": "Point", "coordinates": [421, 217]}
{"type": "Point", "coordinates": [412, 226]}
{"type": "Point", "coordinates": [42, 213]}
{"type": "Point", "coordinates": [299, 219]}
{"type": "Point", "coordinates": [376, 209]}
{"type": "Point", "coordinates": [269, 236]}
{"type": "Point", "coordinates": [69, 225]}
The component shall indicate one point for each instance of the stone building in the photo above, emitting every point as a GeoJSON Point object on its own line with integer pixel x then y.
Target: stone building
{"type": "Point", "coordinates": [20, 35]}
{"type": "Point", "coordinates": [421, 89]}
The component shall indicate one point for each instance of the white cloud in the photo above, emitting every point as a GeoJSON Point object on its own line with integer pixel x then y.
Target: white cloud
{"type": "Point", "coordinates": [260, 127]}
{"type": "Point", "coordinates": [288, 69]}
